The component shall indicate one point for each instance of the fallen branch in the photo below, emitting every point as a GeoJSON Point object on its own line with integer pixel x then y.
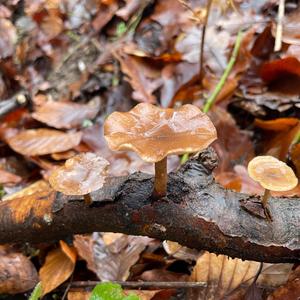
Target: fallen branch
{"type": "Point", "coordinates": [197, 213]}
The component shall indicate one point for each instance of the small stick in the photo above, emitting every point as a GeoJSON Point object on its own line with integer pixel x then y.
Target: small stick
{"type": "Point", "coordinates": [202, 41]}
{"type": "Point", "coordinates": [144, 284]}
{"type": "Point", "coordinates": [225, 75]}
{"type": "Point", "coordinates": [279, 27]}
{"type": "Point", "coordinates": [161, 178]}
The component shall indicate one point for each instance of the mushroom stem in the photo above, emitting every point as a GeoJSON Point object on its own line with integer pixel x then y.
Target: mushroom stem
{"type": "Point", "coordinates": [161, 178]}
{"type": "Point", "coordinates": [265, 197]}
{"type": "Point", "coordinates": [264, 204]}
{"type": "Point", "coordinates": [87, 199]}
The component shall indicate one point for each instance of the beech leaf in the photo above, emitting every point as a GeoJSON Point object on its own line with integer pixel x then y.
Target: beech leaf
{"type": "Point", "coordinates": [43, 141]}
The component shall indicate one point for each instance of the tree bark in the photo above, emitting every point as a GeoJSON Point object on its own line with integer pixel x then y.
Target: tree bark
{"type": "Point", "coordinates": [197, 212]}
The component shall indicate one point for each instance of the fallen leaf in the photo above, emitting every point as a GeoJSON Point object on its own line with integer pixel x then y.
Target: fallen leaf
{"type": "Point", "coordinates": [222, 274]}
{"type": "Point", "coordinates": [295, 157]}
{"type": "Point", "coordinates": [111, 261]}
{"type": "Point", "coordinates": [84, 247]}
{"type": "Point", "coordinates": [43, 141]}
{"type": "Point", "coordinates": [144, 79]}
{"type": "Point", "coordinates": [58, 267]}
{"type": "Point", "coordinates": [160, 275]}
{"type": "Point", "coordinates": [278, 68]}
{"type": "Point", "coordinates": [79, 295]}
{"type": "Point", "coordinates": [17, 273]}
{"type": "Point", "coordinates": [289, 291]}
{"type": "Point", "coordinates": [233, 145]}
{"type": "Point", "coordinates": [66, 114]}
{"type": "Point", "coordinates": [129, 9]}
{"type": "Point", "coordinates": [52, 26]}
{"type": "Point", "coordinates": [180, 252]}
{"type": "Point", "coordinates": [8, 38]}
{"type": "Point", "coordinates": [104, 15]}
{"type": "Point", "coordinates": [7, 178]}
{"type": "Point", "coordinates": [278, 124]}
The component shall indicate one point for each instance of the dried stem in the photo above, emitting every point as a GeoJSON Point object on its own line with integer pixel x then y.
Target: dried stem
{"type": "Point", "coordinates": [278, 37]}
{"type": "Point", "coordinates": [161, 178]}
{"type": "Point", "coordinates": [202, 41]}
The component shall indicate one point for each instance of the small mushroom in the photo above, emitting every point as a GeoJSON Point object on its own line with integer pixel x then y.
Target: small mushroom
{"type": "Point", "coordinates": [273, 175]}
{"type": "Point", "coordinates": [81, 175]}
{"type": "Point", "coordinates": [154, 133]}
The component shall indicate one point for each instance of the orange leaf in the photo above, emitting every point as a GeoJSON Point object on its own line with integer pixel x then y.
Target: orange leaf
{"type": "Point", "coordinates": [43, 141]}
{"type": "Point", "coordinates": [17, 273]}
{"type": "Point", "coordinates": [58, 267]}
{"type": "Point", "coordinates": [275, 69]}
{"type": "Point", "coordinates": [279, 124]}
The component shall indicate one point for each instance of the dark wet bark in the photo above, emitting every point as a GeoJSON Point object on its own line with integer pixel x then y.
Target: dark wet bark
{"type": "Point", "coordinates": [197, 213]}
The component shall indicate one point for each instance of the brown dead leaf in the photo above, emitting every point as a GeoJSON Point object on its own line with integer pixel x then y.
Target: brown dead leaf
{"type": "Point", "coordinates": [52, 26]}
{"type": "Point", "coordinates": [66, 114]}
{"type": "Point", "coordinates": [8, 178]}
{"type": "Point", "coordinates": [111, 261]}
{"type": "Point", "coordinates": [114, 261]}
{"type": "Point", "coordinates": [222, 275]}
{"type": "Point", "coordinates": [162, 275]}
{"type": "Point", "coordinates": [290, 290]}
{"type": "Point", "coordinates": [233, 145]}
{"type": "Point", "coordinates": [225, 275]}
{"type": "Point", "coordinates": [144, 294]}
{"type": "Point", "coordinates": [43, 141]}
{"type": "Point", "coordinates": [104, 15]}
{"type": "Point", "coordinates": [84, 247]}
{"type": "Point", "coordinates": [129, 9]}
{"type": "Point", "coordinates": [17, 273]}
{"type": "Point", "coordinates": [8, 38]}
{"type": "Point", "coordinates": [58, 267]}
{"type": "Point", "coordinates": [79, 295]}
{"type": "Point", "coordinates": [279, 124]}
{"type": "Point", "coordinates": [144, 79]}
{"type": "Point", "coordinates": [180, 252]}
{"type": "Point", "coordinates": [295, 156]}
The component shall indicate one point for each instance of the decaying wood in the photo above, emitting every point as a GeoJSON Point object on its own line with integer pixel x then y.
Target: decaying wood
{"type": "Point", "coordinates": [197, 213]}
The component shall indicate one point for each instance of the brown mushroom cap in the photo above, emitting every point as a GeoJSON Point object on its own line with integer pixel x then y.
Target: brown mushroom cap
{"type": "Point", "coordinates": [155, 132]}
{"type": "Point", "coordinates": [81, 174]}
{"type": "Point", "coordinates": [272, 173]}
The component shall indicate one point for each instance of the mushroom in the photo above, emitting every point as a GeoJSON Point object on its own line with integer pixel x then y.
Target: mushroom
{"type": "Point", "coordinates": [273, 175]}
{"type": "Point", "coordinates": [154, 133]}
{"type": "Point", "coordinates": [80, 175]}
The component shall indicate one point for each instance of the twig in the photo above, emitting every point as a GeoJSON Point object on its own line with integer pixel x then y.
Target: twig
{"type": "Point", "coordinates": [202, 41]}
{"type": "Point", "coordinates": [69, 285]}
{"type": "Point", "coordinates": [225, 75]}
{"type": "Point", "coordinates": [278, 38]}
{"type": "Point", "coordinates": [19, 100]}
{"type": "Point", "coordinates": [145, 284]}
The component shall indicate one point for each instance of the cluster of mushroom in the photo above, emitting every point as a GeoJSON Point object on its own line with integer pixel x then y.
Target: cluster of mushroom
{"type": "Point", "coordinates": [152, 132]}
